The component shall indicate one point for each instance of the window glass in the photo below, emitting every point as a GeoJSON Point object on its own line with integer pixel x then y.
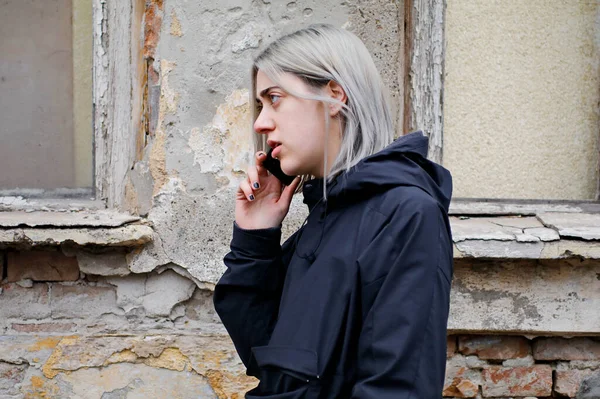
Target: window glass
{"type": "Point", "coordinates": [45, 94]}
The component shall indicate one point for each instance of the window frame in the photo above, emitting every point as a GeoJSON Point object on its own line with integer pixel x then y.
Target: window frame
{"type": "Point", "coordinates": [425, 52]}
{"type": "Point", "coordinates": [118, 87]}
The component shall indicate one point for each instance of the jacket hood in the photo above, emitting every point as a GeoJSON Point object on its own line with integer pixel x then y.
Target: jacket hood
{"type": "Point", "coordinates": [402, 163]}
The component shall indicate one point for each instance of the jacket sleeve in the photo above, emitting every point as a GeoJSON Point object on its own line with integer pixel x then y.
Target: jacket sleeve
{"type": "Point", "coordinates": [247, 296]}
{"type": "Point", "coordinates": [402, 343]}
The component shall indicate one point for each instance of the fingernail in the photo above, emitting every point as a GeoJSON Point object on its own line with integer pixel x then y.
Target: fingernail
{"type": "Point", "coordinates": [260, 154]}
{"type": "Point", "coordinates": [251, 197]}
{"type": "Point", "coordinates": [255, 184]}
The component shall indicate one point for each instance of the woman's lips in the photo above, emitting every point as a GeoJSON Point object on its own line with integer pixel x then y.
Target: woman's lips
{"type": "Point", "coordinates": [276, 151]}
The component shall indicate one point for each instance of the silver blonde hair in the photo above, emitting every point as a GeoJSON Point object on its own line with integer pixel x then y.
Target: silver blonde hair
{"type": "Point", "coordinates": [322, 53]}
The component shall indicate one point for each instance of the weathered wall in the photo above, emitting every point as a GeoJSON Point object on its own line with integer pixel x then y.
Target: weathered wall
{"type": "Point", "coordinates": [78, 324]}
{"type": "Point", "coordinates": [515, 366]}
{"type": "Point", "coordinates": [521, 98]}
{"type": "Point", "coordinates": [134, 321]}
{"type": "Point", "coordinates": [139, 323]}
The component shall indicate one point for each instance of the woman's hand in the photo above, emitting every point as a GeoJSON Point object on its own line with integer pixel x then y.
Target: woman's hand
{"type": "Point", "coordinates": [261, 200]}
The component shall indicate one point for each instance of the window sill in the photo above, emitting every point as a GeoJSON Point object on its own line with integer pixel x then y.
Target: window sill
{"type": "Point", "coordinates": [548, 235]}
{"type": "Point", "coordinates": [482, 207]}
{"type": "Point", "coordinates": [73, 226]}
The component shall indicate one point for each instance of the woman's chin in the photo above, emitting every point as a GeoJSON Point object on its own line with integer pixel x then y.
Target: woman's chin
{"type": "Point", "coordinates": [290, 169]}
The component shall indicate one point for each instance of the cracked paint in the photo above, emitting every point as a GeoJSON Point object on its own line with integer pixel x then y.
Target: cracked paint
{"type": "Point", "coordinates": [223, 146]}
{"type": "Point", "coordinates": [48, 368]}
{"type": "Point", "coordinates": [45, 343]}
{"type": "Point", "coordinates": [152, 26]}
{"type": "Point", "coordinates": [166, 340]}
{"type": "Point", "coordinates": [175, 25]}
{"type": "Point", "coordinates": [168, 105]}
{"type": "Point", "coordinates": [210, 357]}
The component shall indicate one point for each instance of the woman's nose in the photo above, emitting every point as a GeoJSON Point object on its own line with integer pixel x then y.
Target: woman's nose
{"type": "Point", "coordinates": [263, 123]}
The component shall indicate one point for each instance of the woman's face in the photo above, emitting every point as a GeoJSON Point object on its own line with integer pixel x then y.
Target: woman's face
{"type": "Point", "coordinates": [295, 127]}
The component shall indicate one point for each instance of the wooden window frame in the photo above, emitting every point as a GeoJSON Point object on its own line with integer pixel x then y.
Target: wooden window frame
{"type": "Point", "coordinates": [119, 83]}
{"type": "Point", "coordinates": [425, 50]}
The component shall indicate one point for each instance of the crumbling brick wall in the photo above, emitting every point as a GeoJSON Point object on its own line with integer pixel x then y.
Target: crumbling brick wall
{"type": "Point", "coordinates": [501, 366]}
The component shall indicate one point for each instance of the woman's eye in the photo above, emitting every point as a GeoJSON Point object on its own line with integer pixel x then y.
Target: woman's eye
{"type": "Point", "coordinates": [274, 98]}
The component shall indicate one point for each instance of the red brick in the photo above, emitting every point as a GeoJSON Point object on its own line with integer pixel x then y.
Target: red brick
{"type": "Point", "coordinates": [467, 389]}
{"type": "Point", "coordinates": [43, 327]}
{"type": "Point", "coordinates": [517, 381]}
{"type": "Point", "coordinates": [450, 346]}
{"type": "Point", "coordinates": [41, 266]}
{"type": "Point", "coordinates": [497, 347]}
{"type": "Point", "coordinates": [566, 349]}
{"type": "Point", "coordinates": [460, 387]}
{"type": "Point", "coordinates": [568, 381]}
{"type": "Point", "coordinates": [24, 303]}
{"type": "Point", "coordinates": [460, 381]}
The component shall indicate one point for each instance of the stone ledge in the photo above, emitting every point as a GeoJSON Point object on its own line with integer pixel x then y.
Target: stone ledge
{"type": "Point", "coordinates": [79, 218]}
{"type": "Point", "coordinates": [492, 249]}
{"type": "Point", "coordinates": [464, 206]}
{"type": "Point", "coordinates": [547, 236]}
{"type": "Point", "coordinates": [131, 235]}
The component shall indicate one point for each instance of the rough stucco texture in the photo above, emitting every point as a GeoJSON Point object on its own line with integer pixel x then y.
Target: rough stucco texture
{"type": "Point", "coordinates": [521, 99]}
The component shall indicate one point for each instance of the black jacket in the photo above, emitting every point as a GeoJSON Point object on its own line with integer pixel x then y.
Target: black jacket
{"type": "Point", "coordinates": [355, 304]}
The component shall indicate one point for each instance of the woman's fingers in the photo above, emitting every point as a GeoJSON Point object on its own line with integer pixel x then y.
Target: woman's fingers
{"type": "Point", "coordinates": [253, 179]}
{"type": "Point", "coordinates": [255, 173]}
{"type": "Point", "coordinates": [247, 190]}
{"type": "Point", "coordinates": [260, 158]}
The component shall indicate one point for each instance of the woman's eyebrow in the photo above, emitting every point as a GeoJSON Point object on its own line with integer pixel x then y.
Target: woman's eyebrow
{"type": "Point", "coordinates": [264, 92]}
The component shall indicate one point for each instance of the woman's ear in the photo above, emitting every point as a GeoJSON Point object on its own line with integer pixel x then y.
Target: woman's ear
{"type": "Point", "coordinates": [335, 91]}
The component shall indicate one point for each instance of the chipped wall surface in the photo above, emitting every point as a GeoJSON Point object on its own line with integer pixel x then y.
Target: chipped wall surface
{"type": "Point", "coordinates": [534, 296]}
{"type": "Point", "coordinates": [124, 308]}
{"type": "Point", "coordinates": [102, 305]}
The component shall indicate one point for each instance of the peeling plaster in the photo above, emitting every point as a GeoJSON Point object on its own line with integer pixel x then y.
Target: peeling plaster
{"type": "Point", "coordinates": [168, 105]}
{"type": "Point", "coordinates": [103, 218]}
{"type": "Point", "coordinates": [582, 226]}
{"type": "Point", "coordinates": [175, 25]}
{"type": "Point", "coordinates": [155, 294]}
{"type": "Point", "coordinates": [77, 360]}
{"type": "Point", "coordinates": [526, 296]}
{"type": "Point", "coordinates": [152, 26]}
{"type": "Point", "coordinates": [131, 197]}
{"type": "Point", "coordinates": [223, 146]}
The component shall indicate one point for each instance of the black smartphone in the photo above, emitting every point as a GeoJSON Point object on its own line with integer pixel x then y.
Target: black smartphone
{"type": "Point", "coordinates": [273, 166]}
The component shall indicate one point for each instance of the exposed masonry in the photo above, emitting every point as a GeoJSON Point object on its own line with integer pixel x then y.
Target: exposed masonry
{"type": "Point", "coordinates": [502, 366]}
{"type": "Point", "coordinates": [101, 304]}
{"type": "Point", "coordinates": [63, 329]}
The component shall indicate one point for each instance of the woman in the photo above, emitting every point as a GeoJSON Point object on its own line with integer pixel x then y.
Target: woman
{"type": "Point", "coordinates": [355, 303]}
